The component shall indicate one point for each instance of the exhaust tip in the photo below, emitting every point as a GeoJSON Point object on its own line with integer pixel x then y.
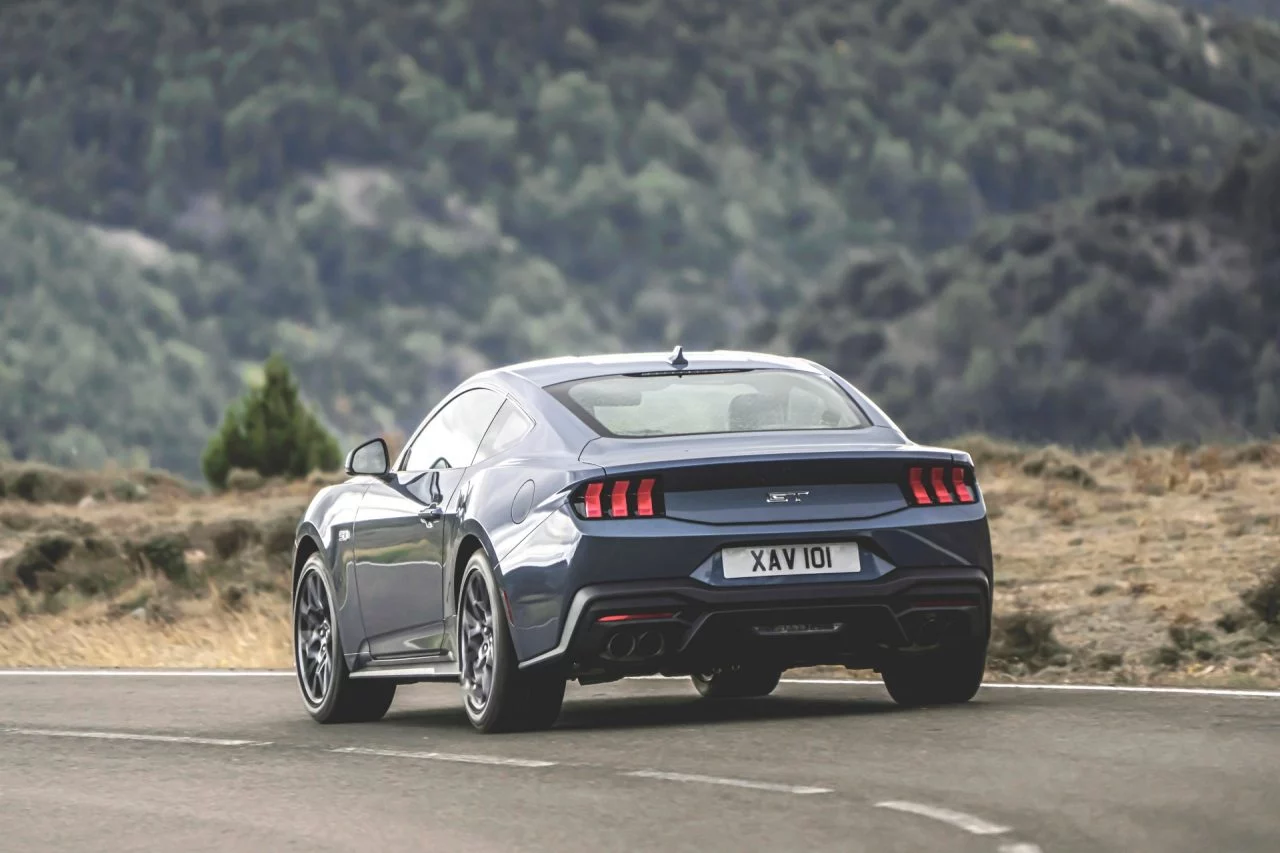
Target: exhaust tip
{"type": "Point", "coordinates": [621, 645]}
{"type": "Point", "coordinates": [650, 644]}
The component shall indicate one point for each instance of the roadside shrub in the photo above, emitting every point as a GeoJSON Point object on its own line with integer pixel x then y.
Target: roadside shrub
{"type": "Point", "coordinates": [278, 534]}
{"type": "Point", "coordinates": [1026, 637]}
{"type": "Point", "coordinates": [270, 431]}
{"type": "Point", "coordinates": [166, 554]}
{"type": "Point", "coordinates": [240, 480]}
{"type": "Point", "coordinates": [1053, 464]}
{"type": "Point", "coordinates": [39, 556]}
{"type": "Point", "coordinates": [232, 536]}
{"type": "Point", "coordinates": [233, 596]}
{"type": "Point", "coordinates": [42, 484]}
{"type": "Point", "coordinates": [1190, 637]}
{"type": "Point", "coordinates": [127, 490]}
{"type": "Point", "coordinates": [1264, 599]}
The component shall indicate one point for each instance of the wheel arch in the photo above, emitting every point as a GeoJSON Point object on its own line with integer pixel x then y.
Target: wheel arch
{"type": "Point", "coordinates": [472, 538]}
{"type": "Point", "coordinates": [303, 551]}
{"type": "Point", "coordinates": [469, 545]}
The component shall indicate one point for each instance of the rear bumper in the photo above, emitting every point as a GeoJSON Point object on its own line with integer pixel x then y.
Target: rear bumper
{"type": "Point", "coordinates": [688, 626]}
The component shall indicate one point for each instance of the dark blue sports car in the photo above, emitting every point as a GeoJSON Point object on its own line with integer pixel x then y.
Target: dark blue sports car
{"type": "Point", "coordinates": [719, 515]}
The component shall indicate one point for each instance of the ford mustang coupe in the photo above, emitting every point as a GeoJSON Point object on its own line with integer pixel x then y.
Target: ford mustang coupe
{"type": "Point", "coordinates": [720, 515]}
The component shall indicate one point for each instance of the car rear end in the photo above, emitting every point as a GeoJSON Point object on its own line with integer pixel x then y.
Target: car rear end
{"type": "Point", "coordinates": [765, 547]}
{"type": "Point", "coordinates": [815, 559]}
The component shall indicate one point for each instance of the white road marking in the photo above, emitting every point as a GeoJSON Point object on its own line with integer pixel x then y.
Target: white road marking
{"type": "Point", "coordinates": [1096, 688]}
{"type": "Point", "coordinates": [206, 741]}
{"type": "Point", "coordinates": [1092, 688]}
{"type": "Point", "coordinates": [1020, 847]}
{"type": "Point", "coordinates": [446, 756]}
{"type": "Point", "coordinates": [960, 820]}
{"type": "Point", "coordinates": [733, 783]}
{"type": "Point", "coordinates": [1124, 688]}
{"type": "Point", "coordinates": [847, 682]}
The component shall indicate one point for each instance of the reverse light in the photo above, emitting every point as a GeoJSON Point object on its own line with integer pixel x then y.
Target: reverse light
{"type": "Point", "coordinates": [620, 498]}
{"type": "Point", "coordinates": [940, 484]}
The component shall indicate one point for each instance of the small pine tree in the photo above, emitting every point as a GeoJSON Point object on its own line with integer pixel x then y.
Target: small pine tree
{"type": "Point", "coordinates": [270, 431]}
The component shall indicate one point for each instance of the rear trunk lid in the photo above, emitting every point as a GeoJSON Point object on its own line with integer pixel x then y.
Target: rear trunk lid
{"type": "Point", "coordinates": [760, 478]}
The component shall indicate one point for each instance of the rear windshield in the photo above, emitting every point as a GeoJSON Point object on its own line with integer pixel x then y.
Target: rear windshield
{"type": "Point", "coordinates": [633, 406]}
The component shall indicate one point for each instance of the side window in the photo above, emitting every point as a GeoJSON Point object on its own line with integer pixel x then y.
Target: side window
{"type": "Point", "coordinates": [452, 436]}
{"type": "Point", "coordinates": [507, 429]}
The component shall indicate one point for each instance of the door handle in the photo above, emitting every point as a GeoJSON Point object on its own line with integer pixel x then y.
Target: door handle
{"type": "Point", "coordinates": [434, 512]}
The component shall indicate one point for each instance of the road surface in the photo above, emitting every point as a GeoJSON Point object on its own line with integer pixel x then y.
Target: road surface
{"type": "Point", "coordinates": [198, 762]}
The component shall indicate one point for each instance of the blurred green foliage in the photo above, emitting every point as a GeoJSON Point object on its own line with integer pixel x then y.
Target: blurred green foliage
{"type": "Point", "coordinates": [270, 431]}
{"type": "Point", "coordinates": [393, 195]}
{"type": "Point", "coordinates": [1152, 312]}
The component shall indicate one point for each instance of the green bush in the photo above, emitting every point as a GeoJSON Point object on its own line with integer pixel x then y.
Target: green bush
{"type": "Point", "coordinates": [270, 431]}
{"type": "Point", "coordinates": [166, 554]}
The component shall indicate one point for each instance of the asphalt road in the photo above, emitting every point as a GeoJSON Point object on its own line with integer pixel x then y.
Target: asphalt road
{"type": "Point", "coordinates": [203, 763]}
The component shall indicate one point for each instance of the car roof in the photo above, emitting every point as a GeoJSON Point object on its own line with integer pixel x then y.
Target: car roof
{"type": "Point", "coordinates": [551, 371]}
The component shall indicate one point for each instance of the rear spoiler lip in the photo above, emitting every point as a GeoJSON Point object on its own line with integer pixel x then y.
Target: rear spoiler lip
{"type": "Point", "coordinates": [905, 456]}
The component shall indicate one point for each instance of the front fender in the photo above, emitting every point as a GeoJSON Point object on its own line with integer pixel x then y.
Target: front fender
{"type": "Point", "coordinates": [328, 527]}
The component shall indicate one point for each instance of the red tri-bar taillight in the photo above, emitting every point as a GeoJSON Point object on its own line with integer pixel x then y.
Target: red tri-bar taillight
{"type": "Point", "coordinates": [918, 492]}
{"type": "Point", "coordinates": [941, 484]}
{"type": "Point", "coordinates": [631, 497]}
{"type": "Point", "coordinates": [644, 497]}
{"type": "Point", "coordinates": [591, 501]}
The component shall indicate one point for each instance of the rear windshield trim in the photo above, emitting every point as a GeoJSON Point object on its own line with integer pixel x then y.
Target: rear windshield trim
{"type": "Point", "coordinates": [560, 392]}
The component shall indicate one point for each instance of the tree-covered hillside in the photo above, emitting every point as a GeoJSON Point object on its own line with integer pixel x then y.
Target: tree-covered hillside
{"type": "Point", "coordinates": [1227, 8]}
{"type": "Point", "coordinates": [394, 194]}
{"type": "Point", "coordinates": [1152, 312]}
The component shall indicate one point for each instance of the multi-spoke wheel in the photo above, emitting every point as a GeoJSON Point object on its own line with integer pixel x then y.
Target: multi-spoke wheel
{"type": "Point", "coordinates": [497, 694]}
{"type": "Point", "coordinates": [327, 689]}
{"type": "Point", "coordinates": [314, 639]}
{"type": "Point", "coordinates": [477, 644]}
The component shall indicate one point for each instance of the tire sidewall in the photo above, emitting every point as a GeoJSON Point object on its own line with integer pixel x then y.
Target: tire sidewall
{"type": "Point", "coordinates": [478, 564]}
{"type": "Point", "coordinates": [315, 565]}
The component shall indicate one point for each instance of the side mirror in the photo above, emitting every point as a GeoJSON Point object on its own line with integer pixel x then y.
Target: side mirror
{"type": "Point", "coordinates": [371, 459]}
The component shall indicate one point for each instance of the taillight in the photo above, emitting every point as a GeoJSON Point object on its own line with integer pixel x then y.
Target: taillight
{"type": "Point", "coordinates": [941, 484]}
{"type": "Point", "coordinates": [631, 497]}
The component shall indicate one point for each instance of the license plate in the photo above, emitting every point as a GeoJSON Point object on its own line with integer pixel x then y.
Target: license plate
{"type": "Point", "coordinates": [762, 561]}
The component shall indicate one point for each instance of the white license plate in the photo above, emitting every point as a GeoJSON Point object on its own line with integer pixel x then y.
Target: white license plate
{"type": "Point", "coordinates": [763, 561]}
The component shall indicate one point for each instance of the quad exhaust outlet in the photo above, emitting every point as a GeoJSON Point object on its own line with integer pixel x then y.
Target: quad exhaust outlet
{"type": "Point", "coordinates": [635, 646]}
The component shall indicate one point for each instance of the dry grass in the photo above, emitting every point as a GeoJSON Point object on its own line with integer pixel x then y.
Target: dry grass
{"type": "Point", "coordinates": [1128, 567]}
{"type": "Point", "coordinates": [202, 633]}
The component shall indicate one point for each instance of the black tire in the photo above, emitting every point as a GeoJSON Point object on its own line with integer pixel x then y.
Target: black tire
{"type": "Point", "coordinates": [497, 695]}
{"type": "Point", "coordinates": [329, 693]}
{"type": "Point", "coordinates": [737, 682]}
{"type": "Point", "coordinates": [950, 675]}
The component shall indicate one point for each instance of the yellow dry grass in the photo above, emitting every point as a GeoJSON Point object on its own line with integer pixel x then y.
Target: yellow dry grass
{"type": "Point", "coordinates": [1115, 547]}
{"type": "Point", "coordinates": [203, 634]}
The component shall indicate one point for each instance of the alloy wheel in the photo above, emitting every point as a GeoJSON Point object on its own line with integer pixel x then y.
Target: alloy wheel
{"type": "Point", "coordinates": [478, 646]}
{"type": "Point", "coordinates": [314, 639]}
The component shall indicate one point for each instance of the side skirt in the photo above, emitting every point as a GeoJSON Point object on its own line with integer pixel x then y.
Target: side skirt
{"type": "Point", "coordinates": [408, 672]}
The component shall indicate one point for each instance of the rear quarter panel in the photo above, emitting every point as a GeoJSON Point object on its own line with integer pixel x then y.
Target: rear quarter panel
{"type": "Point", "coordinates": [506, 499]}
